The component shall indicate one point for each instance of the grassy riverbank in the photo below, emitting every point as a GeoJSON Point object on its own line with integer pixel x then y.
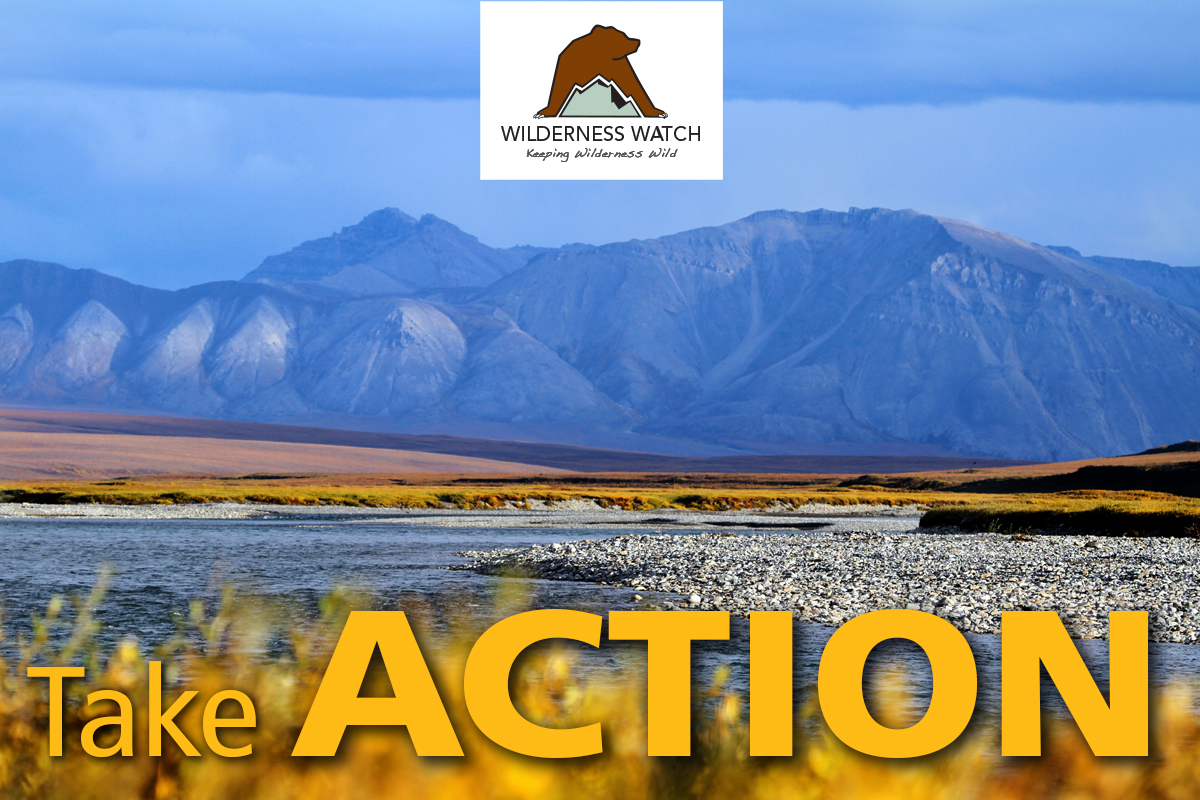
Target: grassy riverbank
{"type": "Point", "coordinates": [977, 506]}
{"type": "Point", "coordinates": [1111, 513]}
{"type": "Point", "coordinates": [374, 492]}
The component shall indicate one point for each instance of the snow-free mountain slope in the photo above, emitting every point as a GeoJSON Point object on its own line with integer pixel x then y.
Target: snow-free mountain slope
{"type": "Point", "coordinates": [981, 352]}
{"type": "Point", "coordinates": [867, 326]}
{"type": "Point", "coordinates": [781, 332]}
{"type": "Point", "coordinates": [1181, 284]}
{"type": "Point", "coordinates": [389, 252]}
{"type": "Point", "coordinates": [654, 322]}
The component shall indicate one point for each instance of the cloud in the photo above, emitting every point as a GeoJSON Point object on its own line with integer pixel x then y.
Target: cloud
{"type": "Point", "coordinates": [853, 52]}
{"type": "Point", "coordinates": [862, 52]}
{"type": "Point", "coordinates": [418, 48]}
{"type": "Point", "coordinates": [172, 187]}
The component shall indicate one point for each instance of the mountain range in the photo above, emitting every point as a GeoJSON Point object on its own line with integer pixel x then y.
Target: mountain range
{"type": "Point", "coordinates": [819, 332]}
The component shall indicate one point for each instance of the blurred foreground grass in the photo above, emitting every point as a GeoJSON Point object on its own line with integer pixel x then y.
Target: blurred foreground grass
{"type": "Point", "coordinates": [249, 647]}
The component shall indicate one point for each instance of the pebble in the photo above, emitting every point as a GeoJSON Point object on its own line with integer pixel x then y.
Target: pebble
{"type": "Point", "coordinates": [829, 577]}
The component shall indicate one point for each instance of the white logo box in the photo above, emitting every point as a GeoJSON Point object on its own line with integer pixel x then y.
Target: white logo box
{"type": "Point", "coordinates": [678, 62]}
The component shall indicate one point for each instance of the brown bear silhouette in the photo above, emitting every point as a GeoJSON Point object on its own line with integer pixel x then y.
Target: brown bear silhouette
{"type": "Point", "coordinates": [601, 52]}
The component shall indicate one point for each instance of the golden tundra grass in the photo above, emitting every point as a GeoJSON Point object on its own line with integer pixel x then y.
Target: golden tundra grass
{"type": "Point", "coordinates": [283, 492]}
{"type": "Point", "coordinates": [1123, 513]}
{"type": "Point", "coordinates": [1102, 512]}
{"type": "Point", "coordinates": [226, 650]}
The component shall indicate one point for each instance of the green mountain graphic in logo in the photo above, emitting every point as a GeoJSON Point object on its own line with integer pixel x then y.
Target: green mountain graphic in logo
{"type": "Point", "coordinates": [600, 98]}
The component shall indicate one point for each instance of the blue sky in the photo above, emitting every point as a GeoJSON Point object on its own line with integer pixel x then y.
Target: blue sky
{"type": "Point", "coordinates": [176, 143]}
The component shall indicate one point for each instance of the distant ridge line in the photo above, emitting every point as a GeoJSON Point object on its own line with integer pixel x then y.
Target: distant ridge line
{"type": "Point", "coordinates": [558, 456]}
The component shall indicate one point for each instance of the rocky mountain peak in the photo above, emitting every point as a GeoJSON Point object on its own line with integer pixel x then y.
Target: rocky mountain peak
{"type": "Point", "coordinates": [388, 253]}
{"type": "Point", "coordinates": [384, 220]}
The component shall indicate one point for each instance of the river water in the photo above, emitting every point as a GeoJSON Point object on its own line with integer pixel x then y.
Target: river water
{"type": "Point", "coordinates": [159, 566]}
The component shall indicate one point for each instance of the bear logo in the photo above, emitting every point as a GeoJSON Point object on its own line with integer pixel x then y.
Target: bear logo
{"type": "Point", "coordinates": [593, 78]}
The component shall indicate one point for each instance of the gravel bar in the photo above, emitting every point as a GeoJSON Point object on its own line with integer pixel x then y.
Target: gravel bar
{"type": "Point", "coordinates": [828, 577]}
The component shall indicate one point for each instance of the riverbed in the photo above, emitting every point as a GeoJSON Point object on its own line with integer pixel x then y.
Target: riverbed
{"type": "Point", "coordinates": [286, 560]}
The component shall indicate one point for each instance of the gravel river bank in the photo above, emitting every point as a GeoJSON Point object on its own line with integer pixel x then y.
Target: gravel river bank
{"type": "Point", "coordinates": [829, 576]}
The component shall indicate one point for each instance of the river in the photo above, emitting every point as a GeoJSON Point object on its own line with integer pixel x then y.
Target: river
{"type": "Point", "coordinates": [289, 562]}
